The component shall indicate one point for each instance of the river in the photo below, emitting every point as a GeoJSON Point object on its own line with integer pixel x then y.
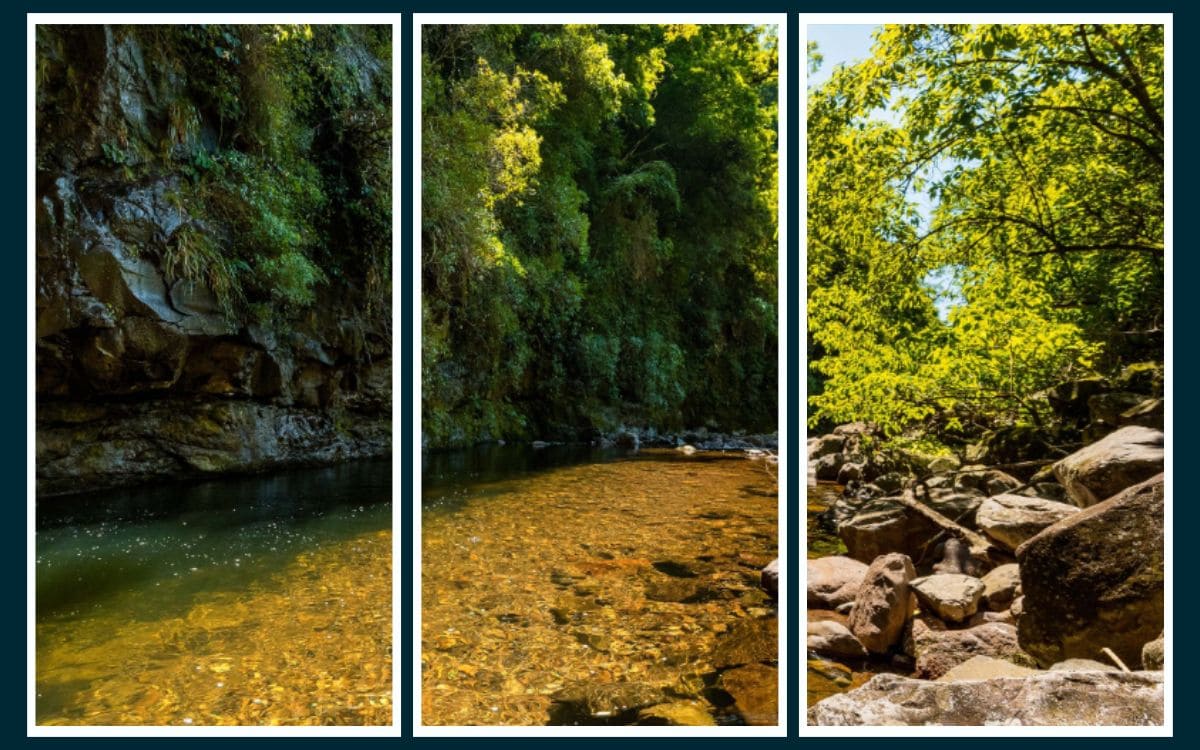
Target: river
{"type": "Point", "coordinates": [561, 572]}
{"type": "Point", "coordinates": [263, 600]}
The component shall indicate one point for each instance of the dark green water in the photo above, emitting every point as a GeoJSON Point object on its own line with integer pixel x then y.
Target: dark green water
{"type": "Point", "coordinates": [229, 602]}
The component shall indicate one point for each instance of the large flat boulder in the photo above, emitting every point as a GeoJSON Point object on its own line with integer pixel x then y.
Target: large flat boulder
{"type": "Point", "coordinates": [1011, 519]}
{"type": "Point", "coordinates": [1043, 699]}
{"type": "Point", "coordinates": [884, 603]}
{"type": "Point", "coordinates": [1095, 579]}
{"type": "Point", "coordinates": [1093, 474]}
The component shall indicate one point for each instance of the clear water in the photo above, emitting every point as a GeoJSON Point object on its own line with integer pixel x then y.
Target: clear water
{"type": "Point", "coordinates": [566, 570]}
{"type": "Point", "coordinates": [260, 600]}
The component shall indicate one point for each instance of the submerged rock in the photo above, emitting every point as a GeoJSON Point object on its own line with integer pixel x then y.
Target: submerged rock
{"type": "Point", "coordinates": [1043, 699]}
{"type": "Point", "coordinates": [755, 691]}
{"type": "Point", "coordinates": [750, 641]}
{"type": "Point", "coordinates": [676, 714]}
{"type": "Point", "coordinates": [605, 701]}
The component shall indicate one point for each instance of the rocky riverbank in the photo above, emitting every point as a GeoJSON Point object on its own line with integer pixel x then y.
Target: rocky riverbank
{"type": "Point", "coordinates": [1027, 593]}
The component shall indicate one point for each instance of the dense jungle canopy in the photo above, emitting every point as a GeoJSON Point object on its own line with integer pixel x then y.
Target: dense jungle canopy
{"type": "Point", "coordinates": [598, 229]}
{"type": "Point", "coordinates": [986, 220]}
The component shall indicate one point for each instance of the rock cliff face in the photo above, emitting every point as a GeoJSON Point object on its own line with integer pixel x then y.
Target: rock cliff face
{"type": "Point", "coordinates": [144, 372]}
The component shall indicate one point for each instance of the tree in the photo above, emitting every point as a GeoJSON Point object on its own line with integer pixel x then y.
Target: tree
{"type": "Point", "coordinates": [1039, 149]}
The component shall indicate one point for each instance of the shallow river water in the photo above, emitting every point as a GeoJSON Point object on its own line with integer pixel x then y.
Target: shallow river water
{"type": "Point", "coordinates": [568, 586]}
{"type": "Point", "coordinates": [255, 601]}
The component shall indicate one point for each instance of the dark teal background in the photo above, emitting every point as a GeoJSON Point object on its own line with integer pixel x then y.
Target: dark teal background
{"type": "Point", "coordinates": [16, 304]}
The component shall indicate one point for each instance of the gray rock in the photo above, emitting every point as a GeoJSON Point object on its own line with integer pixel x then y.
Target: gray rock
{"type": "Point", "coordinates": [1104, 468]}
{"type": "Point", "coordinates": [1044, 699]}
{"type": "Point", "coordinates": [1012, 519]}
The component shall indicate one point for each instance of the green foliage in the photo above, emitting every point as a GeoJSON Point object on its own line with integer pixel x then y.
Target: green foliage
{"type": "Point", "coordinates": [598, 228]}
{"type": "Point", "coordinates": [274, 142]}
{"type": "Point", "coordinates": [1040, 150]}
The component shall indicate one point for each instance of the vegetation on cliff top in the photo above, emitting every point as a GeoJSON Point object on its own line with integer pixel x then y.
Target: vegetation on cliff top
{"type": "Point", "coordinates": [998, 232]}
{"type": "Point", "coordinates": [277, 140]}
{"type": "Point", "coordinates": [598, 227]}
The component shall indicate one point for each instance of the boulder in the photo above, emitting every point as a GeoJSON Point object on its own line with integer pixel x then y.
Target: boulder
{"type": "Point", "coordinates": [879, 527]}
{"type": "Point", "coordinates": [1011, 519]}
{"type": "Point", "coordinates": [834, 581]}
{"type": "Point", "coordinates": [1154, 654]}
{"type": "Point", "coordinates": [826, 445]}
{"type": "Point", "coordinates": [943, 464]}
{"type": "Point", "coordinates": [985, 668]}
{"type": "Point", "coordinates": [985, 480]}
{"type": "Point", "coordinates": [1000, 586]}
{"type": "Point", "coordinates": [938, 650]}
{"type": "Point", "coordinates": [955, 558]}
{"type": "Point", "coordinates": [828, 466]}
{"type": "Point", "coordinates": [884, 602]}
{"type": "Point", "coordinates": [850, 472]}
{"type": "Point", "coordinates": [1043, 699]}
{"type": "Point", "coordinates": [769, 578]}
{"type": "Point", "coordinates": [1097, 472]}
{"type": "Point", "coordinates": [831, 638]}
{"type": "Point", "coordinates": [1147, 413]}
{"type": "Point", "coordinates": [1095, 579]}
{"type": "Point", "coordinates": [951, 596]}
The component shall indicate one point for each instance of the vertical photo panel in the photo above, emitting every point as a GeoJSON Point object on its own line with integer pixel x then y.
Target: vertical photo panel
{"type": "Point", "coordinates": [212, 314]}
{"type": "Point", "coordinates": [988, 375]}
{"type": "Point", "coordinates": [599, 271]}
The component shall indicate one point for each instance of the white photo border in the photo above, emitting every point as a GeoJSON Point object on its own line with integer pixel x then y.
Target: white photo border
{"type": "Point", "coordinates": [33, 729]}
{"type": "Point", "coordinates": [1164, 19]}
{"type": "Point", "coordinates": [780, 20]}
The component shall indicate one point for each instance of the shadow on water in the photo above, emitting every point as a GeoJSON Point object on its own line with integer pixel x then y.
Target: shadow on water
{"type": "Point", "coordinates": [450, 478]}
{"type": "Point", "coordinates": [169, 542]}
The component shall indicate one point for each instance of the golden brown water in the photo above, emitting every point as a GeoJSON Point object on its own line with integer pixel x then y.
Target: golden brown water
{"type": "Point", "coordinates": [620, 572]}
{"type": "Point", "coordinates": [271, 620]}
